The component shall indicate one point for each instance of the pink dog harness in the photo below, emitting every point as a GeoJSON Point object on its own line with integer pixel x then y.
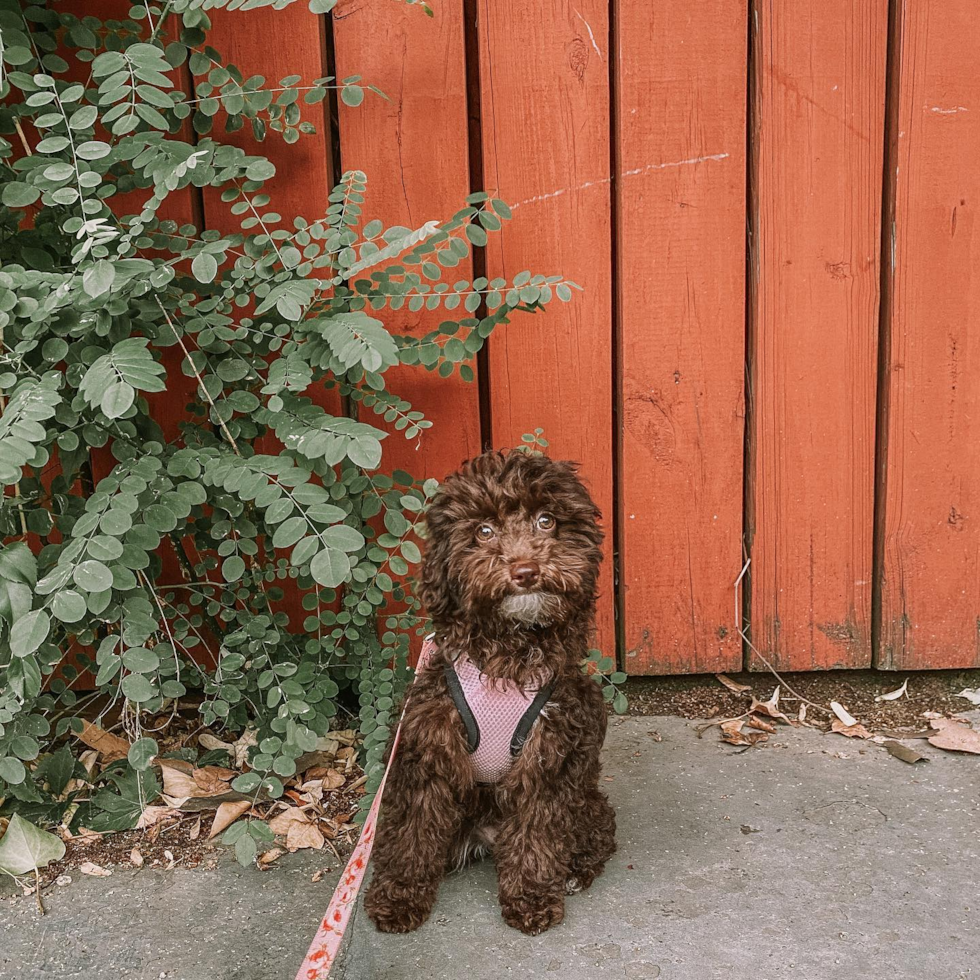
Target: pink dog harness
{"type": "Point", "coordinates": [498, 715]}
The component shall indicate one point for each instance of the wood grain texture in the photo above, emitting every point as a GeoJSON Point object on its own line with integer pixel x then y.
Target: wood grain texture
{"type": "Point", "coordinates": [681, 208]}
{"type": "Point", "coordinates": [818, 114]}
{"type": "Point", "coordinates": [414, 151]}
{"type": "Point", "coordinates": [930, 601]}
{"type": "Point", "coordinates": [545, 111]}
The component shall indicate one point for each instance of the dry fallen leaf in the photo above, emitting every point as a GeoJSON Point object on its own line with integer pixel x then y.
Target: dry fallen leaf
{"type": "Point", "coordinates": [212, 743]}
{"type": "Point", "coordinates": [83, 837]}
{"type": "Point", "coordinates": [972, 694]}
{"type": "Point", "coordinates": [733, 686]}
{"type": "Point", "coordinates": [267, 857]}
{"type": "Point", "coordinates": [303, 835]}
{"type": "Point", "coordinates": [281, 822]}
{"type": "Point", "coordinates": [769, 708]}
{"type": "Point", "coordinates": [110, 747]}
{"type": "Point", "coordinates": [851, 731]}
{"type": "Point", "coordinates": [842, 713]}
{"type": "Point", "coordinates": [195, 830]}
{"type": "Point", "coordinates": [152, 815]}
{"type": "Point", "coordinates": [88, 868]}
{"type": "Point", "coordinates": [731, 732]}
{"type": "Point", "coordinates": [189, 789]}
{"type": "Point", "coordinates": [212, 780]}
{"type": "Point", "coordinates": [227, 814]}
{"type": "Point", "coordinates": [332, 780]}
{"type": "Point", "coordinates": [243, 743]}
{"type": "Point", "coordinates": [903, 752]}
{"type": "Point", "coordinates": [955, 736]}
{"type": "Point", "coordinates": [761, 724]}
{"type": "Point", "coordinates": [135, 858]}
{"type": "Point", "coordinates": [897, 693]}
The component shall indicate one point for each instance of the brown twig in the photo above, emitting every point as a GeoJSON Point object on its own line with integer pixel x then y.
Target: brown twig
{"type": "Point", "coordinates": [23, 138]}
{"type": "Point", "coordinates": [200, 381]}
{"type": "Point", "coordinates": [701, 729]}
{"type": "Point", "coordinates": [751, 646]}
{"type": "Point", "coordinates": [37, 891]}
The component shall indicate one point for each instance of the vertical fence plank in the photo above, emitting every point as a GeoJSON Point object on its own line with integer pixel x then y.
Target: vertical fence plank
{"type": "Point", "coordinates": [817, 145]}
{"type": "Point", "coordinates": [545, 110]}
{"type": "Point", "coordinates": [681, 215]}
{"type": "Point", "coordinates": [930, 589]}
{"type": "Point", "coordinates": [414, 152]}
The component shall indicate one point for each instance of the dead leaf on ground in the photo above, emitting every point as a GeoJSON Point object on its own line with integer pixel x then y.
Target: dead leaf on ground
{"type": "Point", "coordinates": [189, 789]}
{"type": "Point", "coordinates": [267, 857]}
{"type": "Point", "coordinates": [213, 780]}
{"type": "Point", "coordinates": [731, 732]}
{"type": "Point", "coordinates": [212, 743]}
{"type": "Point", "coordinates": [152, 815]}
{"type": "Point", "coordinates": [903, 752]}
{"type": "Point", "coordinates": [332, 780]}
{"type": "Point", "coordinates": [732, 686]}
{"type": "Point", "coordinates": [896, 694]}
{"type": "Point", "coordinates": [88, 868]}
{"type": "Point", "coordinates": [281, 822]}
{"type": "Point", "coordinates": [842, 713]}
{"type": "Point", "coordinates": [761, 724]}
{"type": "Point", "coordinates": [136, 858]}
{"type": "Point", "coordinates": [851, 731]}
{"type": "Point", "coordinates": [242, 744]}
{"type": "Point", "coordinates": [303, 835]}
{"type": "Point", "coordinates": [972, 694]}
{"type": "Point", "coordinates": [955, 736]}
{"type": "Point", "coordinates": [195, 830]}
{"type": "Point", "coordinates": [227, 814]}
{"type": "Point", "coordinates": [768, 708]}
{"type": "Point", "coordinates": [110, 747]}
{"type": "Point", "coordinates": [83, 837]}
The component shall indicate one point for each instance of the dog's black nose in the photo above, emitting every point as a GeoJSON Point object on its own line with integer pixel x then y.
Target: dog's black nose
{"type": "Point", "coordinates": [525, 573]}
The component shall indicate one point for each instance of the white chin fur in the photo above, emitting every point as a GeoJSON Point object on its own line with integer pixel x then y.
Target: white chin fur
{"type": "Point", "coordinates": [529, 608]}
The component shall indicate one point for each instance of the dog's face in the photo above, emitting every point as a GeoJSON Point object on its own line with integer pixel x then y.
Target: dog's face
{"type": "Point", "coordinates": [512, 538]}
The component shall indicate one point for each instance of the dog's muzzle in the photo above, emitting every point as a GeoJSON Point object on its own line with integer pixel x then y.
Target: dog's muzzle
{"type": "Point", "coordinates": [530, 608]}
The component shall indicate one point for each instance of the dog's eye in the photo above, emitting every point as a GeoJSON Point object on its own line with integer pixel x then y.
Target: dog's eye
{"type": "Point", "coordinates": [485, 533]}
{"type": "Point", "coordinates": [545, 522]}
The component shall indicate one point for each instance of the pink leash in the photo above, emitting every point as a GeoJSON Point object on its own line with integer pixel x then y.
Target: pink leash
{"type": "Point", "coordinates": [326, 943]}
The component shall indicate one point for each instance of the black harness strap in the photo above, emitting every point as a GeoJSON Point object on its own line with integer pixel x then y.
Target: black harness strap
{"type": "Point", "coordinates": [462, 706]}
{"type": "Point", "coordinates": [528, 719]}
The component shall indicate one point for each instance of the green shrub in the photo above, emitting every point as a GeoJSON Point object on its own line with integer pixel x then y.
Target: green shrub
{"type": "Point", "coordinates": [262, 495]}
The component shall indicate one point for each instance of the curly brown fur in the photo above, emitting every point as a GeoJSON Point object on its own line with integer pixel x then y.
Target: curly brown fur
{"type": "Point", "coordinates": [547, 824]}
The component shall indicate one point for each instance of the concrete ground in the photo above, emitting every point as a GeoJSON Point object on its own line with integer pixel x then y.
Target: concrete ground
{"type": "Point", "coordinates": [782, 861]}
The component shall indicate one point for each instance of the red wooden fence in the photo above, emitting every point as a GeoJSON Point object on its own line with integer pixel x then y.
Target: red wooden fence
{"type": "Point", "coordinates": [755, 372]}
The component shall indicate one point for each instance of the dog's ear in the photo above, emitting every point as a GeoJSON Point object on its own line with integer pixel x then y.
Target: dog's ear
{"type": "Point", "coordinates": [435, 587]}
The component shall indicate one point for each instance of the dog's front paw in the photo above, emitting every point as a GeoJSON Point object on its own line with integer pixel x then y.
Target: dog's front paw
{"type": "Point", "coordinates": [533, 918]}
{"type": "Point", "coordinates": [395, 908]}
{"type": "Point", "coordinates": [400, 918]}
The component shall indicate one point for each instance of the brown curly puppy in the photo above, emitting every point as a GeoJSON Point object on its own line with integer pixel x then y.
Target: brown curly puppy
{"type": "Point", "coordinates": [509, 580]}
